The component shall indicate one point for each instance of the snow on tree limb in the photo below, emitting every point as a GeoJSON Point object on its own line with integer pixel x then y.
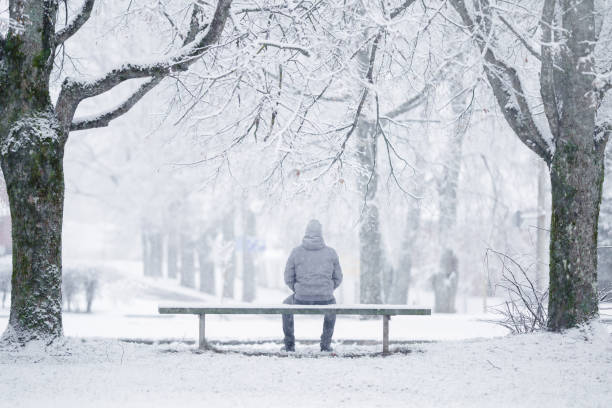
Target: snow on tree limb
{"type": "Point", "coordinates": [548, 69]}
{"type": "Point", "coordinates": [507, 87]}
{"type": "Point", "coordinates": [283, 46]}
{"type": "Point", "coordinates": [104, 119]}
{"type": "Point", "coordinates": [397, 11]}
{"type": "Point", "coordinates": [197, 42]}
{"type": "Point", "coordinates": [75, 24]}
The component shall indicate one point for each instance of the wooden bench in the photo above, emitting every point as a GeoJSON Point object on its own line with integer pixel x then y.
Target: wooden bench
{"type": "Point", "coordinates": [383, 310]}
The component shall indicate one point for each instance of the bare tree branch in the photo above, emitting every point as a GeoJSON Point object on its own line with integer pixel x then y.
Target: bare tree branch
{"type": "Point", "coordinates": [522, 39]}
{"type": "Point", "coordinates": [73, 92]}
{"type": "Point", "coordinates": [364, 95]}
{"type": "Point", "coordinates": [547, 70]}
{"type": "Point", "coordinates": [507, 88]}
{"type": "Point", "coordinates": [284, 46]}
{"type": "Point", "coordinates": [75, 24]}
{"type": "Point", "coordinates": [104, 119]}
{"type": "Point", "coordinates": [397, 11]}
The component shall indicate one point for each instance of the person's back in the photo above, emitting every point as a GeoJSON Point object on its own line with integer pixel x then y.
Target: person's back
{"type": "Point", "coordinates": [312, 273]}
{"type": "Point", "coordinates": [313, 269]}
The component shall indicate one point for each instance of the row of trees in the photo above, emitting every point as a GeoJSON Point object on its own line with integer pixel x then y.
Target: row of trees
{"type": "Point", "coordinates": [194, 244]}
{"type": "Point", "coordinates": [277, 64]}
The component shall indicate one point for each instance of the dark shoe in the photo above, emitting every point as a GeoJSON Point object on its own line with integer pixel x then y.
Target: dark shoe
{"type": "Point", "coordinates": [288, 349]}
{"type": "Point", "coordinates": [327, 349]}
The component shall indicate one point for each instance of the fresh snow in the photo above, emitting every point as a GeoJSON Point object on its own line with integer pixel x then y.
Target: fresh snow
{"type": "Point", "coordinates": [536, 370]}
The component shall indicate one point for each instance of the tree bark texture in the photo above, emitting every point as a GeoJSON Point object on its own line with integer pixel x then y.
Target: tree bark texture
{"type": "Point", "coordinates": [33, 170]}
{"type": "Point", "coordinates": [577, 175]}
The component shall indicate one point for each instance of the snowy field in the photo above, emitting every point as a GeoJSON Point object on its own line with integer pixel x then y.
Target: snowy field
{"type": "Point", "coordinates": [540, 370]}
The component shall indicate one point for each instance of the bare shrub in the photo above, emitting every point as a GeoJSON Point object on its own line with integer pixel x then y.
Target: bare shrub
{"type": "Point", "coordinates": [525, 309]}
{"type": "Point", "coordinates": [70, 286]}
{"type": "Point", "coordinates": [77, 281]}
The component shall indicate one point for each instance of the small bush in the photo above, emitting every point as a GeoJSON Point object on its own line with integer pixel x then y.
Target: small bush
{"type": "Point", "coordinates": [76, 281]}
{"type": "Point", "coordinates": [525, 310]}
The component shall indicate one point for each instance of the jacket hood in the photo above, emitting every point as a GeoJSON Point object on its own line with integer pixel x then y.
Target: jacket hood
{"type": "Point", "coordinates": [313, 238]}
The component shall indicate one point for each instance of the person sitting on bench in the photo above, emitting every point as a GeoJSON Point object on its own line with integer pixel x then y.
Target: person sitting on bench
{"type": "Point", "coordinates": [313, 273]}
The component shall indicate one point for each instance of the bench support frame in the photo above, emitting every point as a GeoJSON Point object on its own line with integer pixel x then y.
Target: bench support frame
{"type": "Point", "coordinates": [202, 345]}
{"type": "Point", "coordinates": [386, 319]}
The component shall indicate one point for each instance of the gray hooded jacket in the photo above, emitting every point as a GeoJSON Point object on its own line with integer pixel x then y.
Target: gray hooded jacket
{"type": "Point", "coordinates": [313, 269]}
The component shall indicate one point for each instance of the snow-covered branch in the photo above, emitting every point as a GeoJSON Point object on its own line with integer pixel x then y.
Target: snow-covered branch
{"type": "Point", "coordinates": [364, 95]}
{"type": "Point", "coordinates": [102, 120]}
{"type": "Point", "coordinates": [197, 41]}
{"type": "Point", "coordinates": [522, 39]}
{"type": "Point", "coordinates": [76, 23]}
{"type": "Point", "coordinates": [397, 11]}
{"type": "Point", "coordinates": [283, 46]}
{"type": "Point", "coordinates": [507, 87]}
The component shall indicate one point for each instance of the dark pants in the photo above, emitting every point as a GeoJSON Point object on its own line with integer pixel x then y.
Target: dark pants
{"type": "Point", "coordinates": [328, 322]}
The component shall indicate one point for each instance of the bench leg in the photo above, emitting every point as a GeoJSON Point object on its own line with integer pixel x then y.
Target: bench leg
{"type": "Point", "coordinates": [202, 333]}
{"type": "Point", "coordinates": [386, 334]}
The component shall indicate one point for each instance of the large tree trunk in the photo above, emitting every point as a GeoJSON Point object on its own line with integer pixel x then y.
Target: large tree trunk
{"type": "Point", "coordinates": [577, 169]}
{"type": "Point", "coordinates": [31, 157]}
{"type": "Point", "coordinates": [577, 175]}
{"type": "Point", "coordinates": [31, 154]}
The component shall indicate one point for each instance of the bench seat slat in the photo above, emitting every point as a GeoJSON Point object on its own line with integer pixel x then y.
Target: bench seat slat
{"type": "Point", "coordinates": [390, 310]}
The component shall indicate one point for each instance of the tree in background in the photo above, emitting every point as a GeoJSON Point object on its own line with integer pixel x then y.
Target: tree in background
{"type": "Point", "coordinates": [249, 243]}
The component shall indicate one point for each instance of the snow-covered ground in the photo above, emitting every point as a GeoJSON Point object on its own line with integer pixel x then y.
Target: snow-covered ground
{"type": "Point", "coordinates": [539, 370]}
